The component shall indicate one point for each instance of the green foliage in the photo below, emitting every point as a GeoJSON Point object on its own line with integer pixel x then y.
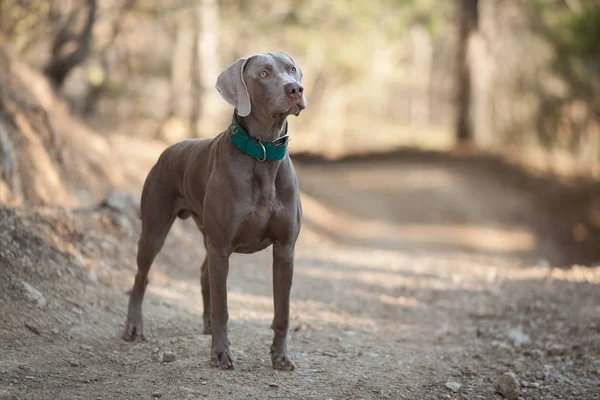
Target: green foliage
{"type": "Point", "coordinates": [21, 21]}
{"type": "Point", "coordinates": [572, 28]}
{"type": "Point", "coordinates": [574, 33]}
{"type": "Point", "coordinates": [581, 33]}
{"type": "Point", "coordinates": [346, 29]}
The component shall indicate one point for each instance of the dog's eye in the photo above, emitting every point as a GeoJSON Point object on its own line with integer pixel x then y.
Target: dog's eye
{"type": "Point", "coordinates": [293, 70]}
{"type": "Point", "coordinates": [263, 74]}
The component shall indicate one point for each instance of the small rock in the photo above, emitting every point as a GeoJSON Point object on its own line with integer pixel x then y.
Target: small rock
{"type": "Point", "coordinates": [273, 385]}
{"type": "Point", "coordinates": [536, 353]}
{"type": "Point", "coordinates": [167, 357]}
{"type": "Point", "coordinates": [74, 363]}
{"type": "Point", "coordinates": [527, 384]}
{"type": "Point", "coordinates": [78, 260]}
{"type": "Point", "coordinates": [92, 277]}
{"type": "Point", "coordinates": [156, 394]}
{"type": "Point", "coordinates": [454, 386]}
{"type": "Point", "coordinates": [32, 328]}
{"type": "Point", "coordinates": [501, 345]}
{"type": "Point", "coordinates": [468, 371]}
{"type": "Point", "coordinates": [556, 350]}
{"type": "Point", "coordinates": [156, 354]}
{"type": "Point", "coordinates": [33, 295]}
{"type": "Point", "coordinates": [518, 336]}
{"type": "Point", "coordinates": [551, 373]}
{"type": "Point", "coordinates": [508, 386]}
{"type": "Point", "coordinates": [329, 354]}
{"type": "Point", "coordinates": [85, 347]}
{"type": "Point", "coordinates": [540, 375]}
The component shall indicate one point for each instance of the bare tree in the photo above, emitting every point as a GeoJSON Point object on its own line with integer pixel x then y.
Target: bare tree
{"type": "Point", "coordinates": [176, 126]}
{"type": "Point", "coordinates": [205, 68]}
{"type": "Point", "coordinates": [481, 49]}
{"type": "Point", "coordinates": [98, 77]}
{"type": "Point", "coordinates": [468, 25]}
{"type": "Point", "coordinates": [63, 58]}
{"type": "Point", "coordinates": [420, 77]}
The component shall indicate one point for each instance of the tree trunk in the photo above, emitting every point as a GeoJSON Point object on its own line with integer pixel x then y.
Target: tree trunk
{"type": "Point", "coordinates": [206, 104]}
{"type": "Point", "coordinates": [61, 64]}
{"type": "Point", "coordinates": [420, 79]}
{"type": "Point", "coordinates": [176, 127]}
{"type": "Point", "coordinates": [482, 61]}
{"type": "Point", "coordinates": [197, 92]}
{"type": "Point", "coordinates": [469, 15]}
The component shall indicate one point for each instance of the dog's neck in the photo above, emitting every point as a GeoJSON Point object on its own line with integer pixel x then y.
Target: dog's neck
{"type": "Point", "coordinates": [264, 128]}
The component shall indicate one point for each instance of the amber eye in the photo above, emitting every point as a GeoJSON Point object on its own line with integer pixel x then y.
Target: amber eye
{"type": "Point", "coordinates": [293, 70]}
{"type": "Point", "coordinates": [263, 74]}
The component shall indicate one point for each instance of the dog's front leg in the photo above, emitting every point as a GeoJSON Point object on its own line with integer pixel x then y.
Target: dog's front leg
{"type": "Point", "coordinates": [218, 268]}
{"type": "Point", "coordinates": [283, 271]}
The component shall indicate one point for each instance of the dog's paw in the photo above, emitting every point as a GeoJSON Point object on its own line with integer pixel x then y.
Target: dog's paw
{"type": "Point", "coordinates": [133, 332]}
{"type": "Point", "coordinates": [283, 363]}
{"type": "Point", "coordinates": [222, 359]}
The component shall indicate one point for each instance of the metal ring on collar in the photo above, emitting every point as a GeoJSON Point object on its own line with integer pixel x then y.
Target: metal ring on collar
{"type": "Point", "coordinates": [264, 152]}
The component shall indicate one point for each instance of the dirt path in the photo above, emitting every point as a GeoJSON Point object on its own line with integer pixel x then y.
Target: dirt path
{"type": "Point", "coordinates": [409, 275]}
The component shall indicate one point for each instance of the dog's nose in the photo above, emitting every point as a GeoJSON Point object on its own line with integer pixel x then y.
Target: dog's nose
{"type": "Point", "coordinates": [294, 89]}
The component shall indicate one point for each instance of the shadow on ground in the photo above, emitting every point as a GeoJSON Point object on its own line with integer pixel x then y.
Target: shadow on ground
{"type": "Point", "coordinates": [451, 203]}
{"type": "Point", "coordinates": [409, 274]}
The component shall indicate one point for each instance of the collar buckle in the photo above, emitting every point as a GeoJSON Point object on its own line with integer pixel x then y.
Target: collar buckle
{"type": "Point", "coordinates": [282, 141]}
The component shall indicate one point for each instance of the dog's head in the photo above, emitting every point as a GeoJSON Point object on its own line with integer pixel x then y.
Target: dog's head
{"type": "Point", "coordinates": [270, 84]}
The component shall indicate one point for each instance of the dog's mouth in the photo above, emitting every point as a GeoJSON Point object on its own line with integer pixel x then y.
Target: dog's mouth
{"type": "Point", "coordinates": [296, 109]}
{"type": "Point", "coordinates": [296, 106]}
{"type": "Point", "coordinates": [291, 107]}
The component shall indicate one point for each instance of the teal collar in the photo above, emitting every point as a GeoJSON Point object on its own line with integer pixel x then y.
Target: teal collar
{"type": "Point", "coordinates": [262, 151]}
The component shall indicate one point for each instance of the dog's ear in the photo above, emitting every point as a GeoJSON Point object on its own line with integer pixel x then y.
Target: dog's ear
{"type": "Point", "coordinates": [294, 62]}
{"type": "Point", "coordinates": [232, 87]}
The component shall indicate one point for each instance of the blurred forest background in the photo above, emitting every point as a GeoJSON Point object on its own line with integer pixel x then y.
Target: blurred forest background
{"type": "Point", "coordinates": [428, 272]}
{"type": "Point", "coordinates": [519, 77]}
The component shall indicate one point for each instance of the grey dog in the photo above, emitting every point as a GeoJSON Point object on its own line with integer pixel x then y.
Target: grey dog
{"type": "Point", "coordinates": [242, 192]}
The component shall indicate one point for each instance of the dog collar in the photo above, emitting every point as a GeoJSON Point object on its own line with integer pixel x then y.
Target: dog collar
{"type": "Point", "coordinates": [262, 151]}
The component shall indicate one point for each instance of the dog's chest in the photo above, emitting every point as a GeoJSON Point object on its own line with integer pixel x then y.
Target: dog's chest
{"type": "Point", "coordinates": [253, 233]}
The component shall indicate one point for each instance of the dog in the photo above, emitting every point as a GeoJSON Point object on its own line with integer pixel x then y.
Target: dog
{"type": "Point", "coordinates": [241, 190]}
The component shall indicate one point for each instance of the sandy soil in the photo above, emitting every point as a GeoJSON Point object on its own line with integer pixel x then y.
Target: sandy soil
{"type": "Point", "coordinates": [410, 274]}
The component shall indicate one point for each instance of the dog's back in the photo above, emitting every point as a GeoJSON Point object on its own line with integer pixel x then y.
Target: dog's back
{"type": "Point", "coordinates": [167, 176]}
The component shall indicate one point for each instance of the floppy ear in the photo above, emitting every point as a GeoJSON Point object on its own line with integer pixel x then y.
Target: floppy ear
{"type": "Point", "coordinates": [232, 87]}
{"type": "Point", "coordinates": [294, 62]}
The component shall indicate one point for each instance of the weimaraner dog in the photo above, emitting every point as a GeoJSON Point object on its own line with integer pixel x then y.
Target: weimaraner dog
{"type": "Point", "coordinates": [241, 190]}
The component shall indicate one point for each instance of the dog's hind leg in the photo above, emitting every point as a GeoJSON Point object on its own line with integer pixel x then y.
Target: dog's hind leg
{"type": "Point", "coordinates": [158, 213]}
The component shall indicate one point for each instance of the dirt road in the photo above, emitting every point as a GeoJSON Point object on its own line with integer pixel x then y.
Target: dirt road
{"type": "Point", "coordinates": [410, 274]}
